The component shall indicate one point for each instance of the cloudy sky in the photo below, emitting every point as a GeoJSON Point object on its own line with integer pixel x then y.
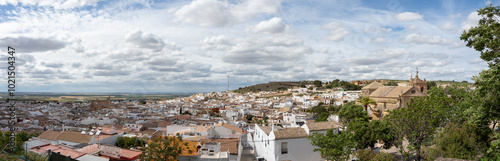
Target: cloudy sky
{"type": "Point", "coordinates": [142, 46]}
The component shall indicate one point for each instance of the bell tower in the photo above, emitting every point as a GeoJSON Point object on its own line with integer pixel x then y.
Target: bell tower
{"type": "Point", "coordinates": [420, 84]}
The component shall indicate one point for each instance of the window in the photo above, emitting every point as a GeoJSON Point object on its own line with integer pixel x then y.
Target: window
{"type": "Point", "coordinates": [284, 148]}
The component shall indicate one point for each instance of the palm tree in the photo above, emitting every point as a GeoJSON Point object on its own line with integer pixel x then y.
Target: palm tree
{"type": "Point", "coordinates": [365, 101]}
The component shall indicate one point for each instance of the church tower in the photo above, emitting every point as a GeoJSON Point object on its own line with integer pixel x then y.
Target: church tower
{"type": "Point", "coordinates": [420, 84]}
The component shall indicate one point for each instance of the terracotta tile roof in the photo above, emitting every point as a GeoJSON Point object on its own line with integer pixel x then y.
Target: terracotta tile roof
{"type": "Point", "coordinates": [319, 126]}
{"type": "Point", "coordinates": [290, 133]}
{"type": "Point", "coordinates": [226, 144]}
{"type": "Point", "coordinates": [232, 127]}
{"type": "Point", "coordinates": [266, 129]}
{"type": "Point", "coordinates": [181, 117]}
{"type": "Point", "coordinates": [390, 91]}
{"type": "Point", "coordinates": [56, 148]}
{"type": "Point", "coordinates": [130, 154]}
{"type": "Point", "coordinates": [75, 137]}
{"type": "Point", "coordinates": [50, 135]}
{"type": "Point", "coordinates": [89, 149]}
{"type": "Point", "coordinates": [196, 138]}
{"type": "Point", "coordinates": [163, 123]}
{"type": "Point", "coordinates": [373, 85]}
{"type": "Point", "coordinates": [201, 128]}
{"type": "Point", "coordinates": [108, 131]}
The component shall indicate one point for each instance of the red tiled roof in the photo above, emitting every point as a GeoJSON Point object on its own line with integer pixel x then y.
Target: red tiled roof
{"type": "Point", "coordinates": [130, 154]}
{"type": "Point", "coordinates": [58, 149]}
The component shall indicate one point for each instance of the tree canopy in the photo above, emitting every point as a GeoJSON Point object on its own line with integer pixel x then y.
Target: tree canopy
{"type": "Point", "coordinates": [164, 148]}
{"type": "Point", "coordinates": [365, 101]}
{"type": "Point", "coordinates": [485, 38]}
{"type": "Point", "coordinates": [333, 146]}
{"type": "Point", "coordinates": [350, 111]}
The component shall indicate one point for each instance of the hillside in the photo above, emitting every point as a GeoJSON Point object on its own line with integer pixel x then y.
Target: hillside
{"type": "Point", "coordinates": [271, 86]}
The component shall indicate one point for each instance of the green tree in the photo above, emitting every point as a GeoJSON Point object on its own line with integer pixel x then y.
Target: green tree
{"type": "Point", "coordinates": [384, 157]}
{"type": "Point", "coordinates": [391, 83]}
{"type": "Point", "coordinates": [250, 117]}
{"type": "Point", "coordinates": [164, 148]}
{"type": "Point", "coordinates": [333, 146]}
{"type": "Point", "coordinates": [431, 84]}
{"type": "Point", "coordinates": [493, 152]}
{"type": "Point", "coordinates": [485, 38]}
{"type": "Point", "coordinates": [335, 83]}
{"type": "Point", "coordinates": [322, 117]}
{"type": "Point", "coordinates": [128, 142]}
{"type": "Point", "coordinates": [459, 141]}
{"type": "Point", "coordinates": [350, 111]}
{"type": "Point", "coordinates": [20, 138]}
{"type": "Point", "coordinates": [32, 156]}
{"type": "Point", "coordinates": [365, 154]}
{"type": "Point", "coordinates": [416, 123]}
{"type": "Point", "coordinates": [365, 101]}
{"type": "Point", "coordinates": [334, 109]}
{"type": "Point", "coordinates": [319, 109]}
{"type": "Point", "coordinates": [367, 133]}
{"type": "Point", "coordinates": [317, 83]}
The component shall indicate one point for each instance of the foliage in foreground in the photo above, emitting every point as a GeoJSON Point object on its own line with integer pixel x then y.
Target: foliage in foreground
{"type": "Point", "coordinates": [333, 146]}
{"type": "Point", "coordinates": [459, 141]}
{"type": "Point", "coordinates": [164, 148]}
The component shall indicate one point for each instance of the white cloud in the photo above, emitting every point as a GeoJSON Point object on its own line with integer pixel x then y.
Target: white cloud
{"type": "Point", "coordinates": [259, 41]}
{"type": "Point", "coordinates": [337, 31]}
{"type": "Point", "coordinates": [149, 41]}
{"type": "Point", "coordinates": [448, 26]}
{"type": "Point", "coordinates": [216, 43]}
{"type": "Point", "coordinates": [274, 25]}
{"type": "Point", "coordinates": [214, 13]}
{"type": "Point", "coordinates": [33, 44]}
{"type": "Point", "coordinates": [411, 27]}
{"type": "Point", "coordinates": [425, 39]}
{"type": "Point", "coordinates": [408, 16]}
{"type": "Point", "coordinates": [258, 49]}
{"type": "Point", "coordinates": [378, 40]}
{"type": "Point", "coordinates": [376, 30]}
{"type": "Point", "coordinates": [471, 21]}
{"type": "Point", "coordinates": [57, 4]}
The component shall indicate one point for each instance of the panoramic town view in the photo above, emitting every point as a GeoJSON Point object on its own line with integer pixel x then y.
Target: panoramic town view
{"type": "Point", "coordinates": [250, 80]}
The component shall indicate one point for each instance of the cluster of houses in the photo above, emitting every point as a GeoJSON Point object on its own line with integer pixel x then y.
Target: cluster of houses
{"type": "Point", "coordinates": [215, 125]}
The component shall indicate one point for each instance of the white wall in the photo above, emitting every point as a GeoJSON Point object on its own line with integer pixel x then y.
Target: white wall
{"type": "Point", "coordinates": [299, 149]}
{"type": "Point", "coordinates": [262, 149]}
{"type": "Point", "coordinates": [222, 132]}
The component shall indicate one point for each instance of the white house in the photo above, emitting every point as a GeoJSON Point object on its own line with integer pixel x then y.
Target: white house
{"type": "Point", "coordinates": [292, 144]}
{"type": "Point", "coordinates": [223, 130]}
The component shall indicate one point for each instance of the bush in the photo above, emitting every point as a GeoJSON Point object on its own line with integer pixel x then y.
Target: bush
{"type": "Point", "coordinates": [431, 153]}
{"type": "Point", "coordinates": [370, 155]}
{"type": "Point", "coordinates": [384, 157]}
{"type": "Point", "coordinates": [365, 154]}
{"type": "Point", "coordinates": [459, 141]}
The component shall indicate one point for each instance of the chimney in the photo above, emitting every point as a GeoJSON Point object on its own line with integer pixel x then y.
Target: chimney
{"type": "Point", "coordinates": [274, 127]}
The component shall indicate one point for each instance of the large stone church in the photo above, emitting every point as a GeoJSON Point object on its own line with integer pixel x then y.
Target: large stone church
{"type": "Point", "coordinates": [393, 97]}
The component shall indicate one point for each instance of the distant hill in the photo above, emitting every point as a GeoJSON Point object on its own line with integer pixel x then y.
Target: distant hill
{"type": "Point", "coordinates": [271, 86]}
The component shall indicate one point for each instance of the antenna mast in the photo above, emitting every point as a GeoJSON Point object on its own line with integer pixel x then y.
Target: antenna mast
{"type": "Point", "coordinates": [228, 82]}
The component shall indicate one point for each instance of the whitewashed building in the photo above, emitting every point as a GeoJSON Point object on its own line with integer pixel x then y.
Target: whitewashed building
{"type": "Point", "coordinates": [283, 144]}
